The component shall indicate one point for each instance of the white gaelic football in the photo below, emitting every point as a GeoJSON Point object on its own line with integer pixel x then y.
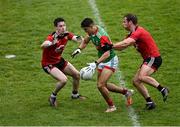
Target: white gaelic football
{"type": "Point", "coordinates": [86, 73]}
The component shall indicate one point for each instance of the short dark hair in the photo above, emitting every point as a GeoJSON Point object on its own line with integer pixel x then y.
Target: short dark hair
{"type": "Point", "coordinates": [131, 17]}
{"type": "Point", "coordinates": [87, 22]}
{"type": "Point", "coordinates": [58, 20]}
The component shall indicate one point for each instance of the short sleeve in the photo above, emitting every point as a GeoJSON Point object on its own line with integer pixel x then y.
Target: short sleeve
{"type": "Point", "coordinates": [135, 35]}
{"type": "Point", "coordinates": [70, 36]}
{"type": "Point", "coordinates": [49, 38]}
{"type": "Point", "coordinates": [104, 40]}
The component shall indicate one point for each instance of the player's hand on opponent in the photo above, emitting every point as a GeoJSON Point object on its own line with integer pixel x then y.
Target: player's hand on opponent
{"type": "Point", "coordinates": [79, 39]}
{"type": "Point", "coordinates": [77, 51]}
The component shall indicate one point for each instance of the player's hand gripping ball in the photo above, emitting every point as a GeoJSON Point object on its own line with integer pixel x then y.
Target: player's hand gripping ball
{"type": "Point", "coordinates": [86, 73]}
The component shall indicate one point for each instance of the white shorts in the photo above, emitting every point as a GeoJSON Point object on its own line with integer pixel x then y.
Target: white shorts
{"type": "Point", "coordinates": [112, 64]}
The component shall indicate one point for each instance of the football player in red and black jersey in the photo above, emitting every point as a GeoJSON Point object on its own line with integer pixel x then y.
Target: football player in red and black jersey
{"type": "Point", "coordinates": [55, 65]}
{"type": "Point", "coordinates": [142, 40]}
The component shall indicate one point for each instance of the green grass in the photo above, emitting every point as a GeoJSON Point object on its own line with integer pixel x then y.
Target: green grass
{"type": "Point", "coordinates": [24, 87]}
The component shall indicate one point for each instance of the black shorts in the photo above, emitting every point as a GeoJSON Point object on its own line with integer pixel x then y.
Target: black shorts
{"type": "Point", "coordinates": [61, 65]}
{"type": "Point", "coordinates": [153, 62]}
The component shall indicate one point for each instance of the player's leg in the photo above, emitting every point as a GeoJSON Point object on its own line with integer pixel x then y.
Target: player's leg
{"type": "Point", "coordinates": [117, 89]}
{"type": "Point", "coordinates": [112, 65]}
{"type": "Point", "coordinates": [148, 68]}
{"type": "Point", "coordinates": [60, 76]}
{"type": "Point", "coordinates": [74, 73]}
{"type": "Point", "coordinates": [143, 91]}
{"type": "Point", "coordinates": [114, 88]}
{"type": "Point", "coordinates": [144, 76]}
{"type": "Point", "coordinates": [62, 79]}
{"type": "Point", "coordinates": [101, 84]}
{"type": "Point", "coordinates": [140, 86]}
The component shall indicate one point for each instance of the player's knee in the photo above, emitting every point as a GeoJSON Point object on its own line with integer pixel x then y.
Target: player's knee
{"type": "Point", "coordinates": [76, 76]}
{"type": "Point", "coordinates": [141, 77]}
{"type": "Point", "coordinates": [64, 81]}
{"type": "Point", "coordinates": [135, 81]}
{"type": "Point", "coordinates": [100, 85]}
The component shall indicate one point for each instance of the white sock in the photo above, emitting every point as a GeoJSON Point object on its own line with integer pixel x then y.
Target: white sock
{"type": "Point", "coordinates": [75, 95]}
{"type": "Point", "coordinates": [53, 96]}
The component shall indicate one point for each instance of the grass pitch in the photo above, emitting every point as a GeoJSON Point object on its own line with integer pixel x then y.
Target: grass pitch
{"type": "Point", "coordinates": [24, 87]}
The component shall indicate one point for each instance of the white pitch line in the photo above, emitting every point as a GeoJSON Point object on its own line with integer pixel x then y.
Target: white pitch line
{"type": "Point", "coordinates": [131, 112]}
{"type": "Point", "coordinates": [96, 12]}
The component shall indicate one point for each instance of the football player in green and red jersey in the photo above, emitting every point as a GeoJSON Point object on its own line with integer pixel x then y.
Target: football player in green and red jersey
{"type": "Point", "coordinates": [106, 63]}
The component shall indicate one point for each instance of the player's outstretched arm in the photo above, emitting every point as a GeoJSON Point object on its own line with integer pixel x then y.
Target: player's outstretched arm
{"type": "Point", "coordinates": [81, 46]}
{"type": "Point", "coordinates": [124, 44]}
{"type": "Point", "coordinates": [78, 39]}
